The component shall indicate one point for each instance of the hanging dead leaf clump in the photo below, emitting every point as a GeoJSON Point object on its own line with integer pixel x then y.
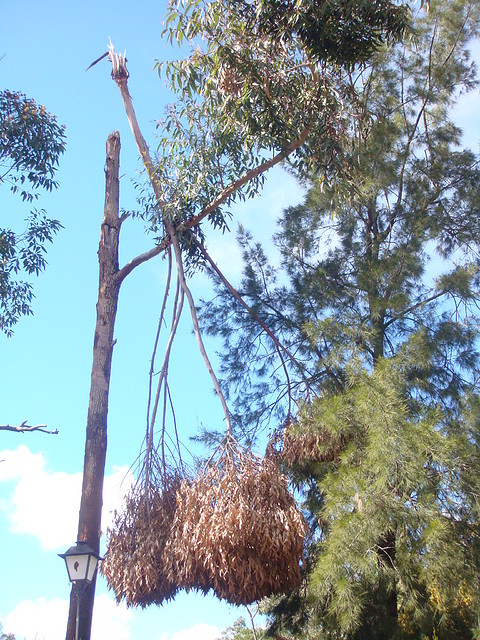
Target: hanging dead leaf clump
{"type": "Point", "coordinates": [299, 449]}
{"type": "Point", "coordinates": [134, 564]}
{"type": "Point", "coordinates": [237, 529]}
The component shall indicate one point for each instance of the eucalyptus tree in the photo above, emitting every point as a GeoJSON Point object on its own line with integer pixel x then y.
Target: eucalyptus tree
{"type": "Point", "coordinates": [31, 143]}
{"type": "Point", "coordinates": [260, 86]}
{"type": "Point", "coordinates": [372, 375]}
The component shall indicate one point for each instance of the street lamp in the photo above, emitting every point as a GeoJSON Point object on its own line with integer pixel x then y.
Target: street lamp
{"type": "Point", "coordinates": [81, 561]}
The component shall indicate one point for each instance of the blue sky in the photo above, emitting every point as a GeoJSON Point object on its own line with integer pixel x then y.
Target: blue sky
{"type": "Point", "coordinates": [45, 367]}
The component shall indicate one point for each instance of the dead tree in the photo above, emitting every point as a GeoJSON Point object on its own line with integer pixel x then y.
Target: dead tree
{"type": "Point", "coordinates": [96, 431]}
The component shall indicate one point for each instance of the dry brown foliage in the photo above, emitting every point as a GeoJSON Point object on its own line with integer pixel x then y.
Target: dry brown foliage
{"type": "Point", "coordinates": [237, 529]}
{"type": "Point", "coordinates": [294, 448]}
{"type": "Point", "coordinates": [134, 564]}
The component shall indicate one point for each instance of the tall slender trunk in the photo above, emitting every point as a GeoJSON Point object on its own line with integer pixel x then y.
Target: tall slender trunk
{"type": "Point", "coordinates": [386, 558]}
{"type": "Point", "coordinates": [89, 523]}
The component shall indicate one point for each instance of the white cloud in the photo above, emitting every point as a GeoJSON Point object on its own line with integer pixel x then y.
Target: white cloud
{"type": "Point", "coordinates": [110, 620]}
{"type": "Point", "coordinates": [46, 619]}
{"type": "Point", "coordinates": [38, 619]}
{"type": "Point", "coordinates": [14, 461]}
{"type": "Point", "coordinates": [199, 631]}
{"type": "Point", "coordinates": [44, 503]}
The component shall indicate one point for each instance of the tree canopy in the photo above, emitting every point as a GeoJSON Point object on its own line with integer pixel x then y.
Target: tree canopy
{"type": "Point", "coordinates": [31, 143]}
{"type": "Point", "coordinates": [372, 379]}
{"type": "Point", "coordinates": [258, 87]}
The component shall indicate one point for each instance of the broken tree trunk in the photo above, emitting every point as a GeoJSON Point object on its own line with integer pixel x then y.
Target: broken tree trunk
{"type": "Point", "coordinates": [89, 523]}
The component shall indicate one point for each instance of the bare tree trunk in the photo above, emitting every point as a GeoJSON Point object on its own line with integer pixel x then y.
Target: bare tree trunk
{"type": "Point", "coordinates": [89, 523]}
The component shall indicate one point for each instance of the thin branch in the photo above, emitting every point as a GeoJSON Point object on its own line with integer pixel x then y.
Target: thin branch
{"type": "Point", "coordinates": [148, 438]}
{"type": "Point", "coordinates": [175, 430]}
{"type": "Point", "coordinates": [138, 260]}
{"type": "Point", "coordinates": [25, 428]}
{"type": "Point", "coordinates": [164, 370]}
{"type": "Point", "coordinates": [415, 306]}
{"type": "Point", "coordinates": [249, 175]}
{"type": "Point", "coordinates": [278, 345]}
{"type": "Point", "coordinates": [252, 622]}
{"type": "Point", "coordinates": [196, 328]}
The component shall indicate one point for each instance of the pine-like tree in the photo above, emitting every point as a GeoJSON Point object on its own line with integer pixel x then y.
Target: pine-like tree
{"type": "Point", "coordinates": [376, 322]}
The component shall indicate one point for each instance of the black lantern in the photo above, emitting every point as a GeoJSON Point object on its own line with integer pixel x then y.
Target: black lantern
{"type": "Point", "coordinates": [81, 561]}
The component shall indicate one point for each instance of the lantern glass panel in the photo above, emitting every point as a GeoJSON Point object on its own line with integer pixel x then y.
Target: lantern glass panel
{"type": "Point", "coordinates": [92, 565]}
{"type": "Point", "coordinates": [77, 566]}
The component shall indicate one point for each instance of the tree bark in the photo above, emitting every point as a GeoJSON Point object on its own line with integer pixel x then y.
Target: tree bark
{"type": "Point", "coordinates": [386, 556]}
{"type": "Point", "coordinates": [89, 523]}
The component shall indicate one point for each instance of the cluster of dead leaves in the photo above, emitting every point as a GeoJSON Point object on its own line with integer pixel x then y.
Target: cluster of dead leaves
{"type": "Point", "coordinates": [134, 564]}
{"type": "Point", "coordinates": [293, 448]}
{"type": "Point", "coordinates": [235, 529]}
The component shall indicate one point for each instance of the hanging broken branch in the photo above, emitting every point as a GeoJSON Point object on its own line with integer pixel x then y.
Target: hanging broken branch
{"type": "Point", "coordinates": [120, 74]}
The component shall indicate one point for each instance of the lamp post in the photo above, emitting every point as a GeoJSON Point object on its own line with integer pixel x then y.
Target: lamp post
{"type": "Point", "coordinates": [81, 561]}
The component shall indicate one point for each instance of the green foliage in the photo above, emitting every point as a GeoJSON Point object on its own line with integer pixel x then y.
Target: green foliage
{"type": "Point", "coordinates": [398, 478]}
{"type": "Point", "coordinates": [31, 143]}
{"type": "Point", "coordinates": [240, 631]}
{"type": "Point", "coordinates": [339, 32]}
{"type": "Point", "coordinates": [376, 306]}
{"type": "Point", "coordinates": [343, 33]}
{"type": "Point", "coordinates": [258, 86]}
